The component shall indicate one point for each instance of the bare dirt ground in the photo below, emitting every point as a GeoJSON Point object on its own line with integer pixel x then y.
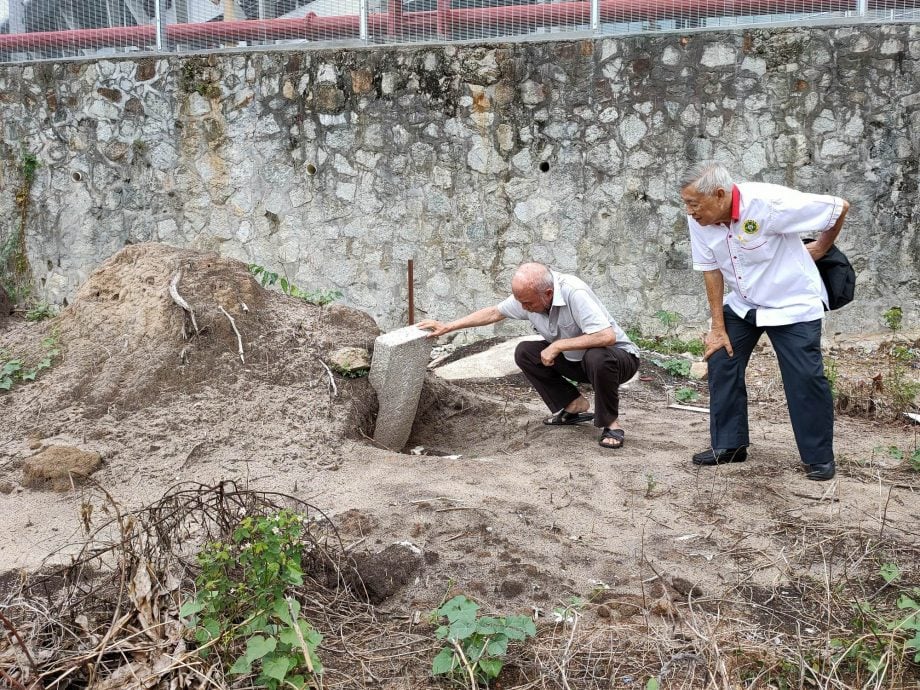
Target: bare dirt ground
{"type": "Point", "coordinates": [736, 576]}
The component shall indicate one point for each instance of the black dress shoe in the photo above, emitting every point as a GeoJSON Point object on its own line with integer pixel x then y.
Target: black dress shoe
{"type": "Point", "coordinates": [820, 473]}
{"type": "Point", "coordinates": [717, 456]}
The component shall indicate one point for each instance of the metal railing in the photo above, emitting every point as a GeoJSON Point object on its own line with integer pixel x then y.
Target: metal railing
{"type": "Point", "coordinates": [67, 29]}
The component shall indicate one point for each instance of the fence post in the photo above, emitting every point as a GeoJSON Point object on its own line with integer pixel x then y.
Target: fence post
{"type": "Point", "coordinates": [158, 21]}
{"type": "Point", "coordinates": [595, 16]}
{"type": "Point", "coordinates": [862, 6]}
{"type": "Point", "coordinates": [362, 20]}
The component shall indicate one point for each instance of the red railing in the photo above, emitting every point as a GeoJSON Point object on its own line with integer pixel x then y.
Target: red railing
{"type": "Point", "coordinates": [440, 23]}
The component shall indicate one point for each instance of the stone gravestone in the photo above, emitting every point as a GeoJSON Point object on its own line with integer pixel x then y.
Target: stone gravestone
{"type": "Point", "coordinates": [397, 373]}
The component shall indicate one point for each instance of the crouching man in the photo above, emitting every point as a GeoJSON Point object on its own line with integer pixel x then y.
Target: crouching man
{"type": "Point", "coordinates": [581, 342]}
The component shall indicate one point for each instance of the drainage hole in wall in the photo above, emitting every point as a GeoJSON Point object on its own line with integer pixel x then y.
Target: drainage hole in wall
{"type": "Point", "coordinates": [76, 176]}
{"type": "Point", "coordinates": [544, 167]}
{"type": "Point", "coordinates": [311, 169]}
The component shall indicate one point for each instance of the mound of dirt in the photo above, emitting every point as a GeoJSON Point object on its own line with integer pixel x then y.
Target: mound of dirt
{"type": "Point", "coordinates": [128, 344]}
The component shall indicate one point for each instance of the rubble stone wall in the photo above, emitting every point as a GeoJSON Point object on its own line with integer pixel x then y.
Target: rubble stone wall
{"type": "Point", "coordinates": [335, 167]}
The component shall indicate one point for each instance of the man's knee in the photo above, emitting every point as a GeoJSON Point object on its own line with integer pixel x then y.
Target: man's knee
{"type": "Point", "coordinates": [598, 356]}
{"type": "Point", "coordinates": [527, 351]}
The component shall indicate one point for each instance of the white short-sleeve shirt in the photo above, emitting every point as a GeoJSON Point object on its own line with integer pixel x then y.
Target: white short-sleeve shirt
{"type": "Point", "coordinates": [575, 311]}
{"type": "Point", "coordinates": [761, 255]}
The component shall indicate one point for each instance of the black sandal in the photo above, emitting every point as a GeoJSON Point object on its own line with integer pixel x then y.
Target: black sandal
{"type": "Point", "coordinates": [617, 435]}
{"type": "Point", "coordinates": [563, 418]}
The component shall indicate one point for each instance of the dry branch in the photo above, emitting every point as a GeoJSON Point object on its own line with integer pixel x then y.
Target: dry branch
{"type": "Point", "coordinates": [239, 339]}
{"type": "Point", "coordinates": [178, 299]}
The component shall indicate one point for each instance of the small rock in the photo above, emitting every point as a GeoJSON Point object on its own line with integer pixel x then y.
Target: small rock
{"type": "Point", "coordinates": [6, 487]}
{"type": "Point", "coordinates": [350, 359]}
{"type": "Point", "coordinates": [686, 588]}
{"type": "Point", "coordinates": [55, 467]}
{"type": "Point", "coordinates": [699, 371]}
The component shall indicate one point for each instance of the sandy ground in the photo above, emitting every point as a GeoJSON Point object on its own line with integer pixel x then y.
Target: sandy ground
{"type": "Point", "coordinates": [516, 514]}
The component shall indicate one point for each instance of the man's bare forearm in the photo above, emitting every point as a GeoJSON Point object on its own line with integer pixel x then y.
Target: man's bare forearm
{"type": "Point", "coordinates": [586, 341]}
{"type": "Point", "coordinates": [483, 317]}
{"type": "Point", "coordinates": [715, 292]}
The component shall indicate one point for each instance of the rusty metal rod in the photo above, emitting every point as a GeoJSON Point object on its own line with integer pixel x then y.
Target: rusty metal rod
{"type": "Point", "coordinates": [411, 295]}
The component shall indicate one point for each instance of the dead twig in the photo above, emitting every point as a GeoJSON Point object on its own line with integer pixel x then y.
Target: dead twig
{"type": "Point", "coordinates": [179, 300]}
{"type": "Point", "coordinates": [335, 389]}
{"type": "Point", "coordinates": [239, 338]}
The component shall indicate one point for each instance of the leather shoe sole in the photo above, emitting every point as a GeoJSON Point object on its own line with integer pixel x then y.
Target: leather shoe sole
{"type": "Point", "coordinates": [822, 472]}
{"type": "Point", "coordinates": [720, 456]}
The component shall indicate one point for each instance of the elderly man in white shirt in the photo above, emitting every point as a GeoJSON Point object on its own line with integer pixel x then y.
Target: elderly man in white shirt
{"type": "Point", "coordinates": [746, 236]}
{"type": "Point", "coordinates": [575, 324]}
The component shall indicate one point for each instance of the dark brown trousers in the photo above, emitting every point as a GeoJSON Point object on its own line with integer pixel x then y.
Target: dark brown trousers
{"type": "Point", "coordinates": [605, 368]}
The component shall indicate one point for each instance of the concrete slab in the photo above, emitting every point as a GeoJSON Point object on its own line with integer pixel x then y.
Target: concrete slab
{"type": "Point", "coordinates": [493, 363]}
{"type": "Point", "coordinates": [397, 374]}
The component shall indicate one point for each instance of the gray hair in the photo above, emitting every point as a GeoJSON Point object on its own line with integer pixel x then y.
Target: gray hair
{"type": "Point", "coordinates": [707, 177]}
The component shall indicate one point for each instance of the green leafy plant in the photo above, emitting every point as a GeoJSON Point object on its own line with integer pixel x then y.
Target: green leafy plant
{"type": "Point", "coordinates": [900, 387]}
{"type": "Point", "coordinates": [568, 612]}
{"type": "Point", "coordinates": [269, 278]}
{"type": "Point", "coordinates": [477, 644]}
{"type": "Point", "coordinates": [893, 318]}
{"type": "Point", "coordinates": [652, 684]}
{"type": "Point", "coordinates": [650, 484]}
{"type": "Point", "coordinates": [914, 460]}
{"type": "Point", "coordinates": [677, 367]}
{"type": "Point", "coordinates": [666, 345]}
{"type": "Point", "coordinates": [883, 639]}
{"type": "Point", "coordinates": [40, 312]}
{"type": "Point", "coordinates": [892, 452]}
{"type": "Point", "coordinates": [13, 370]}
{"type": "Point", "coordinates": [685, 395]}
{"type": "Point", "coordinates": [669, 319]}
{"type": "Point", "coordinates": [243, 600]}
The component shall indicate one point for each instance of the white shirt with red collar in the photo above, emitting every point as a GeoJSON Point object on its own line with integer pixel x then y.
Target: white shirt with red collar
{"type": "Point", "coordinates": [762, 258]}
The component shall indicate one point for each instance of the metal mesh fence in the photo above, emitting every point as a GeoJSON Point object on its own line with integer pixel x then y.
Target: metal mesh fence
{"type": "Point", "coordinates": [62, 29]}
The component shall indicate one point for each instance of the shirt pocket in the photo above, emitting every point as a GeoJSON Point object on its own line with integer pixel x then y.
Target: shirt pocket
{"type": "Point", "coordinates": [757, 250]}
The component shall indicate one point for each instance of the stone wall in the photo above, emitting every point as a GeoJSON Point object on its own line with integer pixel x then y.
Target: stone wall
{"type": "Point", "coordinates": [334, 167]}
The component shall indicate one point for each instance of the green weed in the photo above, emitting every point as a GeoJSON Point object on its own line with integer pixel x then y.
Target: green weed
{"type": "Point", "coordinates": [677, 367]}
{"type": "Point", "coordinates": [242, 599]}
{"type": "Point", "coordinates": [893, 318]}
{"type": "Point", "coordinates": [13, 370]}
{"type": "Point", "coordinates": [40, 312]}
{"type": "Point", "coordinates": [477, 644]}
{"type": "Point", "coordinates": [686, 395]}
{"type": "Point", "coordinates": [268, 278]}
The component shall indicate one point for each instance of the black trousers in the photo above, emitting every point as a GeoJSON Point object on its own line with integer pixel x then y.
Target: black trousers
{"type": "Point", "coordinates": [605, 368]}
{"type": "Point", "coordinates": [808, 394]}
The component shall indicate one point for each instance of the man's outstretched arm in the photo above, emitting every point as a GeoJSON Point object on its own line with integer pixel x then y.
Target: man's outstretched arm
{"type": "Point", "coordinates": [483, 317]}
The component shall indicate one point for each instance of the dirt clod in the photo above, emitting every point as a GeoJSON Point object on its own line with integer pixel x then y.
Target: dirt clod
{"type": "Point", "coordinates": [56, 466]}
